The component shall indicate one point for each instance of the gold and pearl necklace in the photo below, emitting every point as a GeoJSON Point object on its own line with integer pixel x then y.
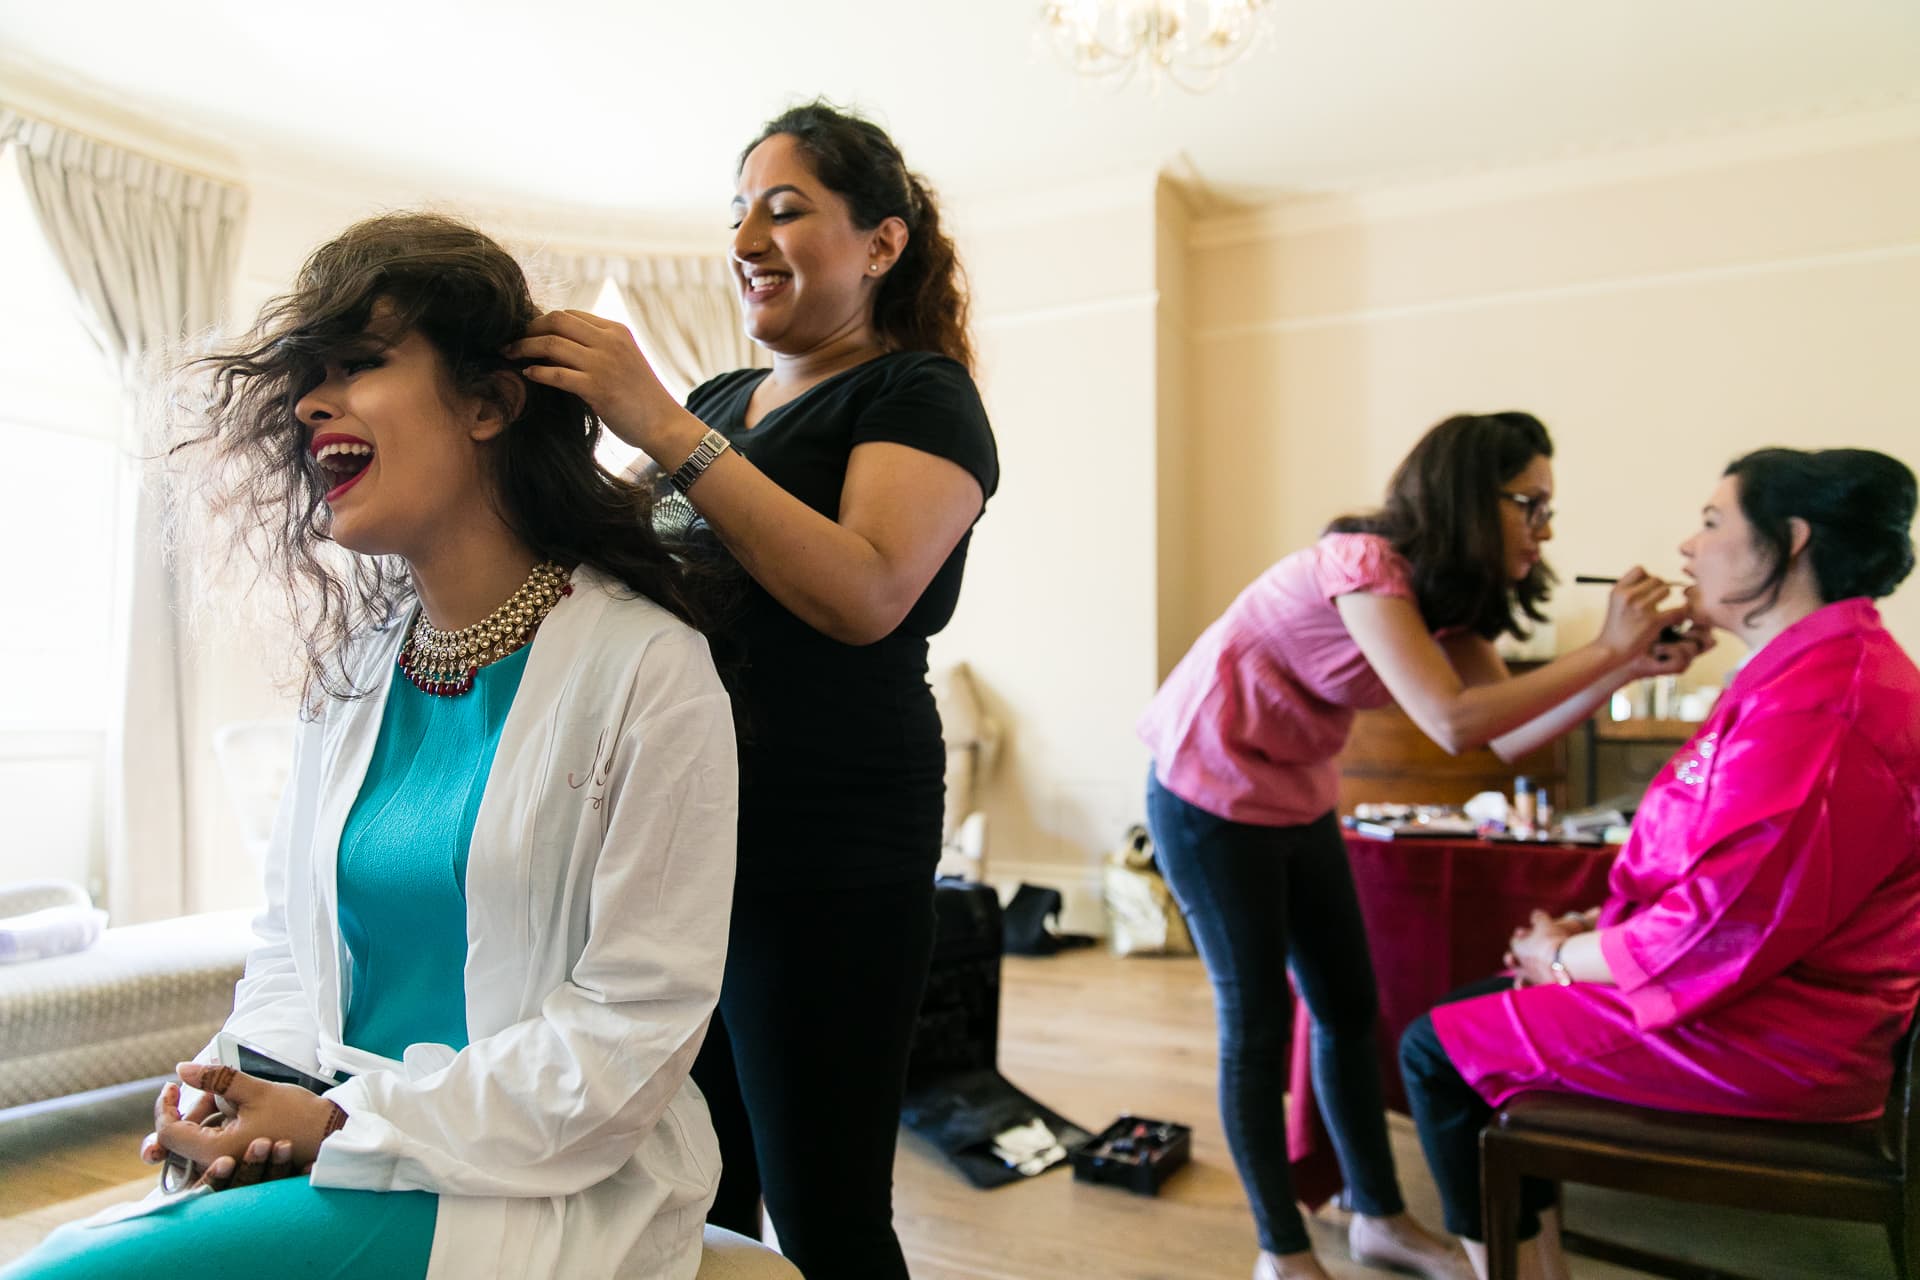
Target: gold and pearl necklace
{"type": "Point", "coordinates": [444, 663]}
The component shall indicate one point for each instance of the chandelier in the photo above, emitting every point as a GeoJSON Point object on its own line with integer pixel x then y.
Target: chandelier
{"type": "Point", "coordinates": [1189, 42]}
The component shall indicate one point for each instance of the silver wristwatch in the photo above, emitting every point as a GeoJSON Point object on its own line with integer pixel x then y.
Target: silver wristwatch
{"type": "Point", "coordinates": [711, 446]}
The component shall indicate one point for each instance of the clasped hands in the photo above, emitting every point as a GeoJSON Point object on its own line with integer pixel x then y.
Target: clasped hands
{"type": "Point", "coordinates": [1531, 951]}
{"type": "Point", "coordinates": [243, 1129]}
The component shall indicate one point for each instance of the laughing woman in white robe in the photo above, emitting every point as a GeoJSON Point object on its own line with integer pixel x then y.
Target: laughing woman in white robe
{"type": "Point", "coordinates": [499, 884]}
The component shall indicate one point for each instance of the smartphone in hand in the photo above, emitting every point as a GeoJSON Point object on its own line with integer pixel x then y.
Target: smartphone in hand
{"type": "Point", "coordinates": [235, 1052]}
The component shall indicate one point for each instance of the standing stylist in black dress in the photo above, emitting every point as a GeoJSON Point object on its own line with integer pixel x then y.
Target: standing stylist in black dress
{"type": "Point", "coordinates": [845, 482]}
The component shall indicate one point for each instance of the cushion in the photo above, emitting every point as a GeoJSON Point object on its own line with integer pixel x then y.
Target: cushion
{"type": "Point", "coordinates": [56, 931]}
{"type": "Point", "coordinates": [41, 918]}
{"type": "Point", "coordinates": [24, 897]}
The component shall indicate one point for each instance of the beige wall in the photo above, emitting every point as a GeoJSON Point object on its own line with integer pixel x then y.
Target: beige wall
{"type": "Point", "coordinates": [1661, 318]}
{"type": "Point", "coordinates": [1058, 617]}
{"type": "Point", "coordinates": [1174, 474]}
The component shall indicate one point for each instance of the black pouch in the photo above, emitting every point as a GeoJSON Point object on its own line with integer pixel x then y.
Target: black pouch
{"type": "Point", "coordinates": [1027, 915]}
{"type": "Point", "coordinates": [963, 1114]}
{"type": "Point", "coordinates": [956, 1097]}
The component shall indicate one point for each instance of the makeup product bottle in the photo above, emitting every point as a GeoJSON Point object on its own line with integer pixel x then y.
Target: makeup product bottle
{"type": "Point", "coordinates": [1520, 821]}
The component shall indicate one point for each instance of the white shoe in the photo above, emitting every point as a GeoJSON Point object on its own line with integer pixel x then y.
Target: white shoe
{"type": "Point", "coordinates": [1404, 1245]}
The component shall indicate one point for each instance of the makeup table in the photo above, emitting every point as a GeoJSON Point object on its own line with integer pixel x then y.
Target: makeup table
{"type": "Point", "coordinates": [1439, 914]}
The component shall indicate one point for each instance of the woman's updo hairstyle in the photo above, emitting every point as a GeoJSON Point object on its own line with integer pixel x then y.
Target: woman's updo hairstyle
{"type": "Point", "coordinates": [1859, 508]}
{"type": "Point", "coordinates": [922, 301]}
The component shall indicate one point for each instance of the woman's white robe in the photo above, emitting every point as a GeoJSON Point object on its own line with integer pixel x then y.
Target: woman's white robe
{"type": "Point", "coordinates": [566, 1138]}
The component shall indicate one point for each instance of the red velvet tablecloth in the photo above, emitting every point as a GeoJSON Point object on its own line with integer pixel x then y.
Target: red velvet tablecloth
{"type": "Point", "coordinates": [1439, 914]}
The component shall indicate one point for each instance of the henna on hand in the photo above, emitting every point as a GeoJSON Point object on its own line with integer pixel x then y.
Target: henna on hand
{"type": "Point", "coordinates": [264, 1118]}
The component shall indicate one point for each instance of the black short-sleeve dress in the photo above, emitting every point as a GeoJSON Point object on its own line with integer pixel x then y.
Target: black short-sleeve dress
{"type": "Point", "coordinates": [842, 767]}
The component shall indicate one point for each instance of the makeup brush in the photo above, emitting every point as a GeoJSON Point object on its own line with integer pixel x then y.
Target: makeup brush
{"type": "Point", "coordinates": [1667, 634]}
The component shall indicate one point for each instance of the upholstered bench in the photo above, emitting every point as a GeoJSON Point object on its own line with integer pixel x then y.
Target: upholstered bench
{"type": "Point", "coordinates": [141, 999]}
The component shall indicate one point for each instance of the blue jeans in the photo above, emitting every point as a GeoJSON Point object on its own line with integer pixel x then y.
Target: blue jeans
{"type": "Point", "coordinates": [1450, 1114]}
{"type": "Point", "coordinates": [1260, 901]}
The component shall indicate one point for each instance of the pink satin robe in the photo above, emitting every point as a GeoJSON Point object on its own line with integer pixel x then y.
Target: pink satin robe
{"type": "Point", "coordinates": [1763, 922]}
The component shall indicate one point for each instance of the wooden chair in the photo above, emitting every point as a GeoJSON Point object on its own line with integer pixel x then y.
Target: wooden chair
{"type": "Point", "coordinates": [1857, 1172]}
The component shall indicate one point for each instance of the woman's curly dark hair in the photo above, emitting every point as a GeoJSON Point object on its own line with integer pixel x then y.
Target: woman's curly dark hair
{"type": "Point", "coordinates": [1443, 514]}
{"type": "Point", "coordinates": [922, 302]}
{"type": "Point", "coordinates": [452, 284]}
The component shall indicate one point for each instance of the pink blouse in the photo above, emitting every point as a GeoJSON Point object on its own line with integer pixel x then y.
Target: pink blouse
{"type": "Point", "coordinates": [1763, 923]}
{"type": "Point", "coordinates": [1249, 723]}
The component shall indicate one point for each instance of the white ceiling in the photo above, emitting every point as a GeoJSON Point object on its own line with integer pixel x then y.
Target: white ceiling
{"type": "Point", "coordinates": [636, 105]}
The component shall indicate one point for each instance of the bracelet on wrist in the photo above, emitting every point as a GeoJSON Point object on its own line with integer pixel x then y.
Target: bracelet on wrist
{"type": "Point", "coordinates": [1558, 967]}
{"type": "Point", "coordinates": [711, 446]}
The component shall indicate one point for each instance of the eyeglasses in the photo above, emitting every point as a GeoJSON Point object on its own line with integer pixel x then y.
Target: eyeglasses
{"type": "Point", "coordinates": [1534, 507]}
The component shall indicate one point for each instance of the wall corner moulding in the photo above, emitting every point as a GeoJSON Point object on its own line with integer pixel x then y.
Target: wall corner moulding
{"type": "Point", "coordinates": [1307, 212]}
{"type": "Point", "coordinates": [1012, 211]}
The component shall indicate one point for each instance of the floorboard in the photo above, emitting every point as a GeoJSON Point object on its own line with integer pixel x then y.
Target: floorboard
{"type": "Point", "coordinates": [1091, 1035]}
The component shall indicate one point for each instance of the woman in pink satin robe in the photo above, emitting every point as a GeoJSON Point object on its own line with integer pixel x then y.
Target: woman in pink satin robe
{"type": "Point", "coordinates": [1759, 952]}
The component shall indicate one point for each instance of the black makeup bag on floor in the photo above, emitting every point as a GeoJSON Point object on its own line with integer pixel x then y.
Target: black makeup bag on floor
{"type": "Point", "coordinates": [956, 1097]}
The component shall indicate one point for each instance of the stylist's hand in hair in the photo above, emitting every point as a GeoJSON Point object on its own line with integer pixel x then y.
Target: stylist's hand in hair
{"type": "Point", "coordinates": [1635, 614]}
{"type": "Point", "coordinates": [597, 360]}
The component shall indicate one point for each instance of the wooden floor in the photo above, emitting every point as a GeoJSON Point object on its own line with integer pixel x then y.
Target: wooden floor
{"type": "Point", "coordinates": [60, 1165]}
{"type": "Point", "coordinates": [1090, 1035]}
{"type": "Point", "coordinates": [1094, 1037]}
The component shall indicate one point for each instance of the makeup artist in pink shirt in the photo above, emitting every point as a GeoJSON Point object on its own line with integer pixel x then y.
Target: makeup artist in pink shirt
{"type": "Point", "coordinates": [1401, 605]}
{"type": "Point", "coordinates": [1759, 950]}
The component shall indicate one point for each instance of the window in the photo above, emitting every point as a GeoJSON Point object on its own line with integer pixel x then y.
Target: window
{"type": "Point", "coordinates": [60, 417]}
{"type": "Point", "coordinates": [616, 454]}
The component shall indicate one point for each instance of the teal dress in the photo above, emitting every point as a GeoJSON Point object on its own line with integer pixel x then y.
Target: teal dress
{"type": "Point", "coordinates": [403, 913]}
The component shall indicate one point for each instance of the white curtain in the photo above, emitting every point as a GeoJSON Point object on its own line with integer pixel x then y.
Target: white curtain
{"type": "Point", "coordinates": [689, 311]}
{"type": "Point", "coordinates": [577, 278]}
{"type": "Point", "coordinates": [149, 250]}
{"type": "Point", "coordinates": [685, 310]}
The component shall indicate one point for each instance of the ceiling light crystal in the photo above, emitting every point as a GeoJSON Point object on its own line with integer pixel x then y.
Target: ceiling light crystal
{"type": "Point", "coordinates": [1189, 42]}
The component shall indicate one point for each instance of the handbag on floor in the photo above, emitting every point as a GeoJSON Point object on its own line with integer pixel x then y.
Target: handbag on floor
{"type": "Point", "coordinates": [1142, 916]}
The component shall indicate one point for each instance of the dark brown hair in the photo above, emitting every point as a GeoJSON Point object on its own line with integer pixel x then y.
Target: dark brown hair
{"type": "Point", "coordinates": [1859, 508]}
{"type": "Point", "coordinates": [1443, 514]}
{"type": "Point", "coordinates": [922, 302]}
{"type": "Point", "coordinates": [466, 295]}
